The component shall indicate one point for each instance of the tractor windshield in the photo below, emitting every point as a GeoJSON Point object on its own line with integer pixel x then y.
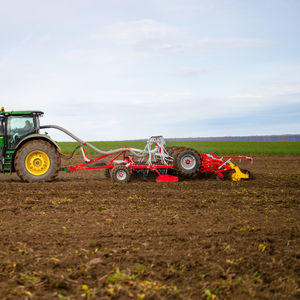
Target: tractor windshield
{"type": "Point", "coordinates": [18, 127]}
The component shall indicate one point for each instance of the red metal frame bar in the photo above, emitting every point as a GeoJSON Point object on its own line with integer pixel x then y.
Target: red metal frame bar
{"type": "Point", "coordinates": [210, 163]}
{"type": "Point", "coordinates": [215, 164]}
{"type": "Point", "coordinates": [128, 159]}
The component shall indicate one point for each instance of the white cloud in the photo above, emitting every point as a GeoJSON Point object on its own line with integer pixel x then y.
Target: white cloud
{"type": "Point", "coordinates": [154, 36]}
{"type": "Point", "coordinates": [143, 36]}
{"type": "Point", "coordinates": [193, 8]}
{"type": "Point", "coordinates": [228, 42]}
{"type": "Point", "coordinates": [190, 71]}
{"type": "Point", "coordinates": [91, 56]}
{"type": "Point", "coordinates": [46, 38]}
{"type": "Point", "coordinates": [284, 89]}
{"type": "Point", "coordinates": [109, 114]}
{"type": "Point", "coordinates": [13, 51]}
{"type": "Point", "coordinates": [248, 96]}
{"type": "Point", "coordinates": [270, 94]}
{"type": "Point", "coordinates": [134, 33]}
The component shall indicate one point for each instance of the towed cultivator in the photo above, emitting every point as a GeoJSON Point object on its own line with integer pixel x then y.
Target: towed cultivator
{"type": "Point", "coordinates": [167, 162]}
{"type": "Point", "coordinates": [35, 157]}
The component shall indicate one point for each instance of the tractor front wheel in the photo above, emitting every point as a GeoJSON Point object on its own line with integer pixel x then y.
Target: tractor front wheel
{"type": "Point", "coordinates": [37, 161]}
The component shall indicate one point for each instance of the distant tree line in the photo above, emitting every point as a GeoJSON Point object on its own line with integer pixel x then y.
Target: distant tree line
{"type": "Point", "coordinates": [254, 138]}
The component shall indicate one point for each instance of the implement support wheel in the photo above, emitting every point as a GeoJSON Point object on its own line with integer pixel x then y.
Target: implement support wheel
{"type": "Point", "coordinates": [120, 174]}
{"type": "Point", "coordinates": [37, 161]}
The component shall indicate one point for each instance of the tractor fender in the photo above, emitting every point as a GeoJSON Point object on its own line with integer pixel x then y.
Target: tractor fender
{"type": "Point", "coordinates": [37, 136]}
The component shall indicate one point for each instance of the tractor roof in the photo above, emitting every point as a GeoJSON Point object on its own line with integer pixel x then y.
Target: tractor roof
{"type": "Point", "coordinates": [20, 113]}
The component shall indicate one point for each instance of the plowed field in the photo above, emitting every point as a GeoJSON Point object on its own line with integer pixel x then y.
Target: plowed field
{"type": "Point", "coordinates": [83, 236]}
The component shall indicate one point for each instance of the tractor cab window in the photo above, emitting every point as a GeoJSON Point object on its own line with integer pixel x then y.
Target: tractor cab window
{"type": "Point", "coordinates": [18, 127]}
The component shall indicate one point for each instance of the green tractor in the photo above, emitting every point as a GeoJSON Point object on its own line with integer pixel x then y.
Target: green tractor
{"type": "Point", "coordinates": [33, 156]}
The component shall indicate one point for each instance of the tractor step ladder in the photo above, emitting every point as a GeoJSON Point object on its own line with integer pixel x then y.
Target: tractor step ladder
{"type": "Point", "coordinates": [7, 165]}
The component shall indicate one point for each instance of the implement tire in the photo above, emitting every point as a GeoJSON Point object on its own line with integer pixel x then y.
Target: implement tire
{"type": "Point", "coordinates": [187, 162]}
{"type": "Point", "coordinates": [120, 174]}
{"type": "Point", "coordinates": [37, 161]}
{"type": "Point", "coordinates": [174, 150]}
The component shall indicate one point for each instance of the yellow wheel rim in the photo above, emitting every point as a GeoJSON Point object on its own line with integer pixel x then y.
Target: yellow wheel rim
{"type": "Point", "coordinates": [37, 162]}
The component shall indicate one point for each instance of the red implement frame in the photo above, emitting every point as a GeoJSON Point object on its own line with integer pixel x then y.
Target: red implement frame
{"type": "Point", "coordinates": [211, 163]}
{"type": "Point", "coordinates": [127, 161]}
{"type": "Point", "coordinates": [218, 164]}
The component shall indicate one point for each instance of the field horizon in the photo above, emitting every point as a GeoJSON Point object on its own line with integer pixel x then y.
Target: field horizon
{"type": "Point", "coordinates": [225, 147]}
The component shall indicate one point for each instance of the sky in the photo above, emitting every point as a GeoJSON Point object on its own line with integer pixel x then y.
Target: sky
{"type": "Point", "coordinates": [129, 69]}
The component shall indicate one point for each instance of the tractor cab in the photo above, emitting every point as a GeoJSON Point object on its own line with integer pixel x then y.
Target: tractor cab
{"type": "Point", "coordinates": [15, 125]}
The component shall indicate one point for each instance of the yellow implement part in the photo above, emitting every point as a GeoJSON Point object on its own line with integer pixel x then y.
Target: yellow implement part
{"type": "Point", "coordinates": [238, 175]}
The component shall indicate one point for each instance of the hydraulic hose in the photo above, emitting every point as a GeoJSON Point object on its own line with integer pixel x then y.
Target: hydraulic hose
{"type": "Point", "coordinates": [87, 143]}
{"type": "Point", "coordinates": [68, 156]}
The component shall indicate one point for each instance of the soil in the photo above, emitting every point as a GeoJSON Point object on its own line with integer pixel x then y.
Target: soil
{"type": "Point", "coordinates": [83, 236]}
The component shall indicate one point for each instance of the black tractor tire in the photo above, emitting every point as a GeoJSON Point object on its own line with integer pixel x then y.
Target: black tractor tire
{"type": "Point", "coordinates": [120, 174]}
{"type": "Point", "coordinates": [187, 162]}
{"type": "Point", "coordinates": [37, 161]}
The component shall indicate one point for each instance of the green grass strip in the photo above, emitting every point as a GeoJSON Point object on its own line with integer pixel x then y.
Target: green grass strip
{"type": "Point", "coordinates": [254, 148]}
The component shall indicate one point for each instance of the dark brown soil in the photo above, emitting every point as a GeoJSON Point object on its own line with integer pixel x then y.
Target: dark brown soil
{"type": "Point", "coordinates": [83, 236]}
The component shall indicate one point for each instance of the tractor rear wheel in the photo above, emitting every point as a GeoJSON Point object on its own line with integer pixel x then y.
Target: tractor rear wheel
{"type": "Point", "coordinates": [37, 161]}
{"type": "Point", "coordinates": [120, 174]}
